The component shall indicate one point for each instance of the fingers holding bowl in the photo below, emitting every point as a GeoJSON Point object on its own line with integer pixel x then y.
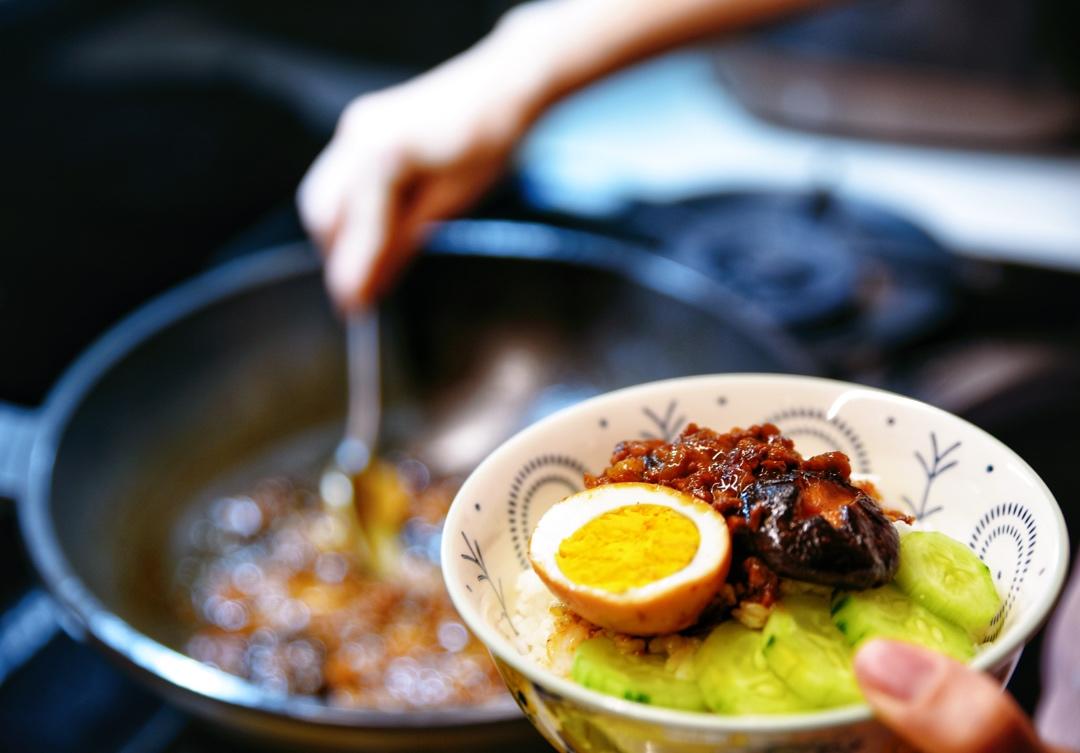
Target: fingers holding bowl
{"type": "Point", "coordinates": [939, 705]}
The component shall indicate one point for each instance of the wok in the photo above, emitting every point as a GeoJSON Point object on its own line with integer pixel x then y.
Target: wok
{"type": "Point", "coordinates": [240, 372]}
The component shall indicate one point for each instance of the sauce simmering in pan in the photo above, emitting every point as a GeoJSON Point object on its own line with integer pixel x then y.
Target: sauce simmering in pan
{"type": "Point", "coordinates": [275, 592]}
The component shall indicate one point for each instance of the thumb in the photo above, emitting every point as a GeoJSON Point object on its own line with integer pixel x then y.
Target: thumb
{"type": "Point", "coordinates": [939, 705]}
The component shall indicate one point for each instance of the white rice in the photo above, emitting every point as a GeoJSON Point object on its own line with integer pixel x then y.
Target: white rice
{"type": "Point", "coordinates": [549, 632]}
{"type": "Point", "coordinates": [533, 616]}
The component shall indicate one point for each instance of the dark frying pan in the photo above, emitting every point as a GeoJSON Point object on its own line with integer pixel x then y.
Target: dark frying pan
{"type": "Point", "coordinates": [242, 369]}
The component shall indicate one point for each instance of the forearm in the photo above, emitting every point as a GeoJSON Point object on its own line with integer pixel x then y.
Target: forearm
{"type": "Point", "coordinates": [407, 156]}
{"type": "Point", "coordinates": [555, 47]}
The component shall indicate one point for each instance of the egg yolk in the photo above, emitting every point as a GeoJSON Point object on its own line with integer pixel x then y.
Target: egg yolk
{"type": "Point", "coordinates": [629, 547]}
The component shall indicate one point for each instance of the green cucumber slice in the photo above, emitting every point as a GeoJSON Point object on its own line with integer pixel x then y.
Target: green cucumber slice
{"type": "Point", "coordinates": [734, 678]}
{"type": "Point", "coordinates": [887, 612]}
{"type": "Point", "coordinates": [805, 650]}
{"type": "Point", "coordinates": [947, 578]}
{"type": "Point", "coordinates": [599, 665]}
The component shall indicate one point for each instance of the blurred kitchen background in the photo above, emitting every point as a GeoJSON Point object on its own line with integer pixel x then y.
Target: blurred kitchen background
{"type": "Point", "coordinates": [896, 183]}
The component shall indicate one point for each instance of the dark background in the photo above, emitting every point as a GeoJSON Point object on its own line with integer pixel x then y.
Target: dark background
{"type": "Point", "coordinates": [139, 139]}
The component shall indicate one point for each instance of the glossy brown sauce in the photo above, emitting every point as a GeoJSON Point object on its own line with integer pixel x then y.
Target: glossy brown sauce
{"type": "Point", "coordinates": [717, 467]}
{"type": "Point", "coordinates": [827, 498]}
{"type": "Point", "coordinates": [273, 591]}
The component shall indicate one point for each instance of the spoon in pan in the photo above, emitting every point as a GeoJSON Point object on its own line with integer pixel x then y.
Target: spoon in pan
{"type": "Point", "coordinates": [354, 453]}
{"type": "Point", "coordinates": [358, 492]}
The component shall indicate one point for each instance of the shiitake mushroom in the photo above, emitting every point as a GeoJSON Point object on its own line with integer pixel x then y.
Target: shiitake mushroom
{"type": "Point", "coordinates": [820, 529]}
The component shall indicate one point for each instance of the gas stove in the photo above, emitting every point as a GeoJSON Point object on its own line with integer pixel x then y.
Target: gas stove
{"type": "Point", "coordinates": [867, 294]}
{"type": "Point", "coordinates": [848, 279]}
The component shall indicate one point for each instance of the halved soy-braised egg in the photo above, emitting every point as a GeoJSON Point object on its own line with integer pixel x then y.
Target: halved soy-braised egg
{"type": "Point", "coordinates": [636, 558]}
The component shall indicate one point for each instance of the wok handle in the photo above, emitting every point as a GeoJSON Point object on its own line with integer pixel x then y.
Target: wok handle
{"type": "Point", "coordinates": [18, 430]}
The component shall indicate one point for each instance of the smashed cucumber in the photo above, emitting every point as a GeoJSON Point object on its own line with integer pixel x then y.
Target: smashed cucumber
{"type": "Point", "coordinates": [887, 612]}
{"type": "Point", "coordinates": [947, 578]}
{"type": "Point", "coordinates": [804, 649]}
{"type": "Point", "coordinates": [734, 677]}
{"type": "Point", "coordinates": [600, 665]}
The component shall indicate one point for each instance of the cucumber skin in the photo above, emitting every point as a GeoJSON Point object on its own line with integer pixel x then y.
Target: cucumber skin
{"type": "Point", "coordinates": [927, 558]}
{"type": "Point", "coordinates": [887, 612]}
{"type": "Point", "coordinates": [599, 665]}
{"type": "Point", "coordinates": [805, 649]}
{"type": "Point", "coordinates": [735, 679]}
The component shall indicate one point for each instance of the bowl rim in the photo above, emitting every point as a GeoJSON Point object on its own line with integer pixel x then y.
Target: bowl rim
{"type": "Point", "coordinates": [996, 654]}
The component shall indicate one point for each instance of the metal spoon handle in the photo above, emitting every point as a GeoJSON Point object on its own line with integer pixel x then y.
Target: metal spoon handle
{"type": "Point", "coordinates": [362, 422]}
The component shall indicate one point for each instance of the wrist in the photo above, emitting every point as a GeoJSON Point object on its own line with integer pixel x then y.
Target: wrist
{"type": "Point", "coordinates": [525, 45]}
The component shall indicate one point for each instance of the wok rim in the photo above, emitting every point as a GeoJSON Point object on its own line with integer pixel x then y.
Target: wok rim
{"type": "Point", "coordinates": [88, 619]}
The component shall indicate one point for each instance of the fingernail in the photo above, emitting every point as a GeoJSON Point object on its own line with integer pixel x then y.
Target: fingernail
{"type": "Point", "coordinates": [898, 670]}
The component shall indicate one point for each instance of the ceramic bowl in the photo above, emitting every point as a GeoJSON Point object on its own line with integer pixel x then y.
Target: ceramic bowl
{"type": "Point", "coordinates": [952, 476]}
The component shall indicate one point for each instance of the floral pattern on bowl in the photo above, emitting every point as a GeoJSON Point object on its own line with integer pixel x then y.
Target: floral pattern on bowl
{"type": "Point", "coordinates": [950, 475]}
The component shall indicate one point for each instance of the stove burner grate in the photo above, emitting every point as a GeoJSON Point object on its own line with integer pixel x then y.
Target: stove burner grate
{"type": "Point", "coordinates": [835, 272]}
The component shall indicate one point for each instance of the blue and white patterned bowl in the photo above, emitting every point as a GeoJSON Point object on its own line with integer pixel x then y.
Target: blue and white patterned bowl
{"type": "Point", "coordinates": [951, 475]}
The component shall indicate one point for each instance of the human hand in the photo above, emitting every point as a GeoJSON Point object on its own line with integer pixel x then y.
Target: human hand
{"type": "Point", "coordinates": [428, 148]}
{"type": "Point", "coordinates": [409, 155]}
{"type": "Point", "coordinates": [939, 705]}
